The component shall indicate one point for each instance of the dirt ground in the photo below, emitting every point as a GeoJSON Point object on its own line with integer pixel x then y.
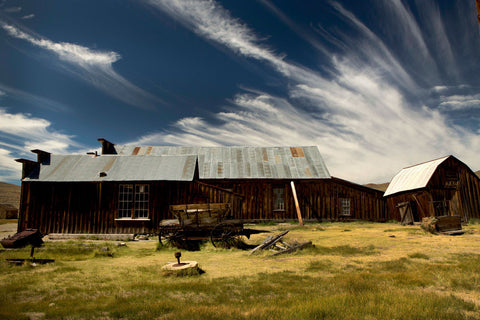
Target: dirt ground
{"type": "Point", "coordinates": [7, 229]}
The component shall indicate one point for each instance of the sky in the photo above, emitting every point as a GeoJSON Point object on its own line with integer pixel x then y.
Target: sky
{"type": "Point", "coordinates": [377, 85]}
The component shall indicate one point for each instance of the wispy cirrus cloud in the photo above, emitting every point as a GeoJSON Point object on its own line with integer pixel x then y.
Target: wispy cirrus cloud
{"type": "Point", "coordinates": [460, 102]}
{"type": "Point", "coordinates": [32, 132]}
{"type": "Point", "coordinates": [28, 16]}
{"type": "Point", "coordinates": [211, 21]}
{"type": "Point", "coordinates": [306, 34]}
{"type": "Point", "coordinates": [95, 67]}
{"type": "Point", "coordinates": [38, 101]}
{"type": "Point", "coordinates": [367, 115]}
{"type": "Point", "coordinates": [12, 9]}
{"type": "Point", "coordinates": [20, 133]}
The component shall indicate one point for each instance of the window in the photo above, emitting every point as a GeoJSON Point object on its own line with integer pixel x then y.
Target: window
{"type": "Point", "coordinates": [344, 206]}
{"type": "Point", "coordinates": [133, 201]}
{"type": "Point", "coordinates": [278, 199]}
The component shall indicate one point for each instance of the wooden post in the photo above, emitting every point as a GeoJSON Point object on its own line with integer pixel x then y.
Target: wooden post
{"type": "Point", "coordinates": [297, 206]}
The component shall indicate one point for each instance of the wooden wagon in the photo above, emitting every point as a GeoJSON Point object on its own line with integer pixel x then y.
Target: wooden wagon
{"type": "Point", "coordinates": [197, 222]}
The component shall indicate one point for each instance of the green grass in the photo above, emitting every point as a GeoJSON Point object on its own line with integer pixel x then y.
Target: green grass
{"type": "Point", "coordinates": [418, 255]}
{"type": "Point", "coordinates": [473, 221]}
{"type": "Point", "coordinates": [361, 274]}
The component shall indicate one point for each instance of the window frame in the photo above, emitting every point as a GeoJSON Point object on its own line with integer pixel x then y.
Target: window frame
{"type": "Point", "coordinates": [133, 198]}
{"type": "Point", "coordinates": [345, 207]}
{"type": "Point", "coordinates": [277, 206]}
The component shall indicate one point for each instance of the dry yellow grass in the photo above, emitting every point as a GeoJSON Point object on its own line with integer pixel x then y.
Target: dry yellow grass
{"type": "Point", "coordinates": [355, 271]}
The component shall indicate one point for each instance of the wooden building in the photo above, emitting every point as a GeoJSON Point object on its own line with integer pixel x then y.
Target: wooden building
{"type": "Point", "coordinates": [7, 211]}
{"type": "Point", "coordinates": [128, 189]}
{"type": "Point", "coordinates": [444, 186]}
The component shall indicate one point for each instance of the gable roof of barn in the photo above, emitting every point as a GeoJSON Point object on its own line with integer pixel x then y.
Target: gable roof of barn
{"type": "Point", "coordinates": [414, 177]}
{"type": "Point", "coordinates": [243, 162]}
{"type": "Point", "coordinates": [130, 163]}
{"type": "Point", "coordinates": [85, 168]}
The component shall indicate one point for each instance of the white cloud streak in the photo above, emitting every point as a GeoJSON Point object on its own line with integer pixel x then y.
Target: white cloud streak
{"type": "Point", "coordinates": [362, 121]}
{"type": "Point", "coordinates": [9, 169]}
{"type": "Point", "coordinates": [28, 16]}
{"type": "Point", "coordinates": [20, 133]}
{"type": "Point", "coordinates": [93, 66]}
{"type": "Point", "coordinates": [460, 102]}
{"type": "Point", "coordinates": [209, 20]}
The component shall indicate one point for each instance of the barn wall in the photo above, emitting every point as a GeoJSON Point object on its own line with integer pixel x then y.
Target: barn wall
{"type": "Point", "coordinates": [321, 201]}
{"type": "Point", "coordinates": [467, 199]}
{"type": "Point", "coordinates": [93, 207]}
{"type": "Point", "coordinates": [318, 199]}
{"type": "Point", "coordinates": [421, 200]}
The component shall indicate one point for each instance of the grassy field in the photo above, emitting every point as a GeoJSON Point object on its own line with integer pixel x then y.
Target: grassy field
{"type": "Point", "coordinates": [355, 271]}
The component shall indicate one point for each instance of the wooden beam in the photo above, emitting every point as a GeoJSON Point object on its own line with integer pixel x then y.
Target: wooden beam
{"type": "Point", "coordinates": [295, 248]}
{"type": "Point", "coordinates": [220, 188]}
{"type": "Point", "coordinates": [297, 206]}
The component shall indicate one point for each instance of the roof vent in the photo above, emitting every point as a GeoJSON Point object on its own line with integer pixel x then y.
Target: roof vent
{"type": "Point", "coordinates": [102, 174]}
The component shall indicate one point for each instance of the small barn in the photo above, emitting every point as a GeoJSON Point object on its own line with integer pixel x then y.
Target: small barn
{"type": "Point", "coordinates": [7, 211]}
{"type": "Point", "coordinates": [441, 187]}
{"type": "Point", "coordinates": [128, 189]}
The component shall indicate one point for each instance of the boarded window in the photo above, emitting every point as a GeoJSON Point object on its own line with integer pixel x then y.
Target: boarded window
{"type": "Point", "coordinates": [133, 201]}
{"type": "Point", "coordinates": [278, 199]}
{"type": "Point", "coordinates": [345, 206]}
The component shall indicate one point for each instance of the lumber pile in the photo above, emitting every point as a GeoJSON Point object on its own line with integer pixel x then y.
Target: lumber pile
{"type": "Point", "coordinates": [277, 244]}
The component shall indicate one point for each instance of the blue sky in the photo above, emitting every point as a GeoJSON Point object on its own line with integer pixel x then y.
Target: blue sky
{"type": "Point", "coordinates": [377, 85]}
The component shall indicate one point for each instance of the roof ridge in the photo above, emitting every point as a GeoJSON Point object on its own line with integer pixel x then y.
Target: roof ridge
{"type": "Point", "coordinates": [422, 163]}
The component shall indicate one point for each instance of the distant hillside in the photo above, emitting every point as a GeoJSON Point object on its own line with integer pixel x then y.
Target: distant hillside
{"type": "Point", "coordinates": [10, 194]}
{"type": "Point", "coordinates": [379, 186]}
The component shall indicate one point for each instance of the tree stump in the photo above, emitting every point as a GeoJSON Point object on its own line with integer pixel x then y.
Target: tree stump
{"type": "Point", "coordinates": [183, 269]}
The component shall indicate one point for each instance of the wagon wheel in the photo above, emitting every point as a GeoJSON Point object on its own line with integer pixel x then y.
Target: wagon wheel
{"type": "Point", "coordinates": [170, 236]}
{"type": "Point", "coordinates": [225, 235]}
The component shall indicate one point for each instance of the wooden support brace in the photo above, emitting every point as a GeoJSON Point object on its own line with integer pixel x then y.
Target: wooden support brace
{"type": "Point", "coordinates": [297, 206]}
{"type": "Point", "coordinates": [269, 242]}
{"type": "Point", "coordinates": [295, 248]}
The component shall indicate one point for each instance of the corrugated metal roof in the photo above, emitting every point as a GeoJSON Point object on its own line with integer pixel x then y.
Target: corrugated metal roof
{"type": "Point", "coordinates": [85, 168]}
{"type": "Point", "coordinates": [415, 177]}
{"type": "Point", "coordinates": [245, 162]}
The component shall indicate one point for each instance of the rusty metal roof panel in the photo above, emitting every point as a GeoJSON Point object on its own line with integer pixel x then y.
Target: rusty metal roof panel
{"type": "Point", "coordinates": [415, 177]}
{"type": "Point", "coordinates": [84, 168]}
{"type": "Point", "coordinates": [245, 162]}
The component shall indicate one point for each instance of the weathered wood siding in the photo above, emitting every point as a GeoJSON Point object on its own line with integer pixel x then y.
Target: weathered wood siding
{"type": "Point", "coordinates": [463, 196]}
{"type": "Point", "coordinates": [318, 200]}
{"type": "Point", "coordinates": [93, 207]}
